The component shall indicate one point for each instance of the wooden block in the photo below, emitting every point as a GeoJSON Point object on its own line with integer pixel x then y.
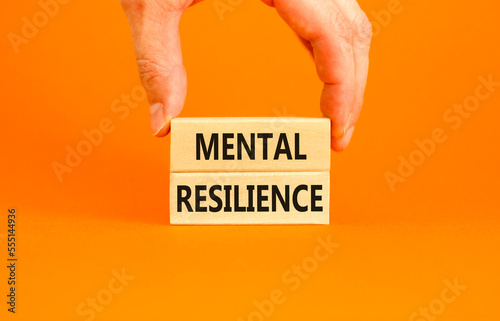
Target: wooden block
{"type": "Point", "coordinates": [250, 144]}
{"type": "Point", "coordinates": [250, 198]}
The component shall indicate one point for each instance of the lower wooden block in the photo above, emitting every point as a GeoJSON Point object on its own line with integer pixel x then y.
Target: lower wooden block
{"type": "Point", "coordinates": [250, 198]}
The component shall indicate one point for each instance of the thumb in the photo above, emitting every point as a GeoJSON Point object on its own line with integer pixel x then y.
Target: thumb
{"type": "Point", "coordinates": [155, 33]}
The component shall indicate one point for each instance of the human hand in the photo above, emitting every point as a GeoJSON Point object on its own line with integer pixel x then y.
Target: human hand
{"type": "Point", "coordinates": [336, 32]}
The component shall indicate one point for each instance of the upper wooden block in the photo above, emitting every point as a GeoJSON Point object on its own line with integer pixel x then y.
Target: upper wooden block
{"type": "Point", "coordinates": [250, 144]}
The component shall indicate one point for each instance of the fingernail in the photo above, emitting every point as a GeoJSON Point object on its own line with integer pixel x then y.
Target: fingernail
{"type": "Point", "coordinates": [159, 122]}
{"type": "Point", "coordinates": [347, 124]}
{"type": "Point", "coordinates": [347, 137]}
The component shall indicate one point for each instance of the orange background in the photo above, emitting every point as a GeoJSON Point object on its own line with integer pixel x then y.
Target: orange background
{"type": "Point", "coordinates": [396, 248]}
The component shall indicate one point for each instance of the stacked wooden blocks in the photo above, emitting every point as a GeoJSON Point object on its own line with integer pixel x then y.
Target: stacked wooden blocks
{"type": "Point", "coordinates": [250, 171]}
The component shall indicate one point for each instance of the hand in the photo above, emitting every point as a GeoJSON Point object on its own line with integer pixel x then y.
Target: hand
{"type": "Point", "coordinates": [337, 32]}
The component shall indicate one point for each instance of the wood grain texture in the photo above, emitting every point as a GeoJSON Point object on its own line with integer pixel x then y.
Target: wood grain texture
{"type": "Point", "coordinates": [191, 201]}
{"type": "Point", "coordinates": [297, 144]}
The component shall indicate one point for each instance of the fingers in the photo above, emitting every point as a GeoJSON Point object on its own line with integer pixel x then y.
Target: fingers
{"type": "Point", "coordinates": [307, 44]}
{"type": "Point", "coordinates": [155, 33]}
{"type": "Point", "coordinates": [336, 69]}
{"type": "Point", "coordinates": [361, 32]}
{"type": "Point", "coordinates": [340, 35]}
